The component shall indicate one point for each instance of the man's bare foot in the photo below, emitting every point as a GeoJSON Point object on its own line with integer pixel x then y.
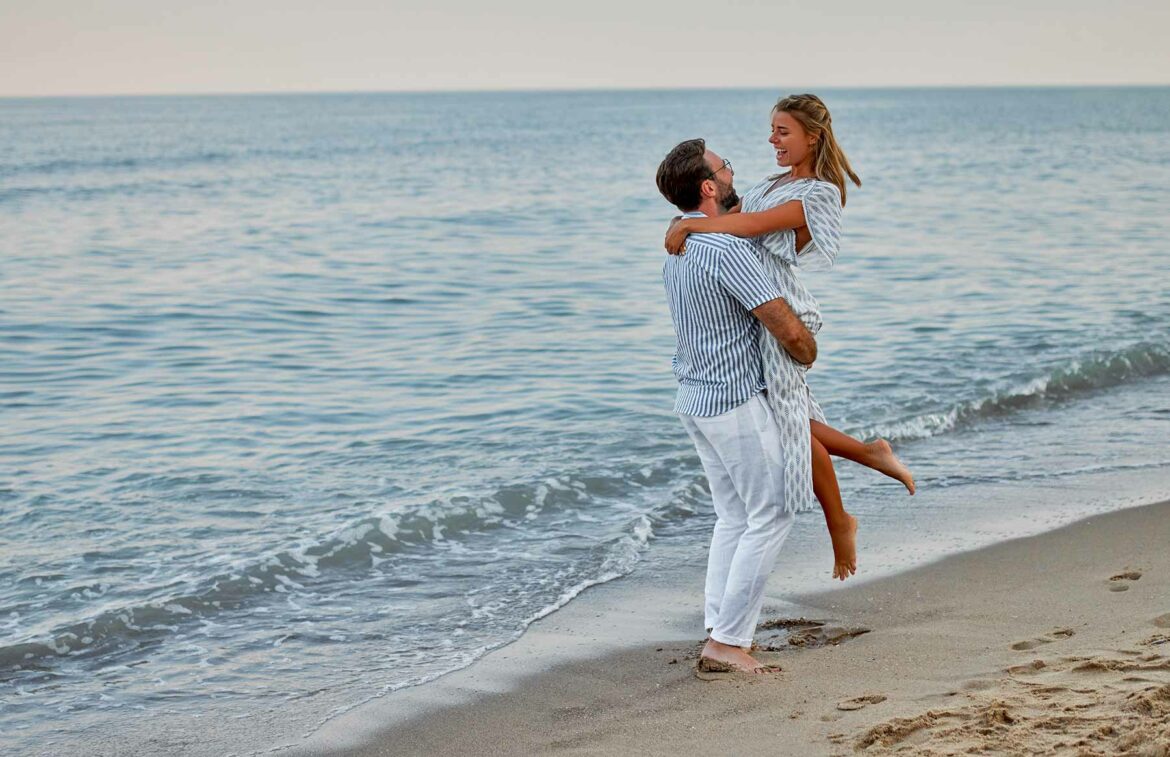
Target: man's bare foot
{"type": "Point", "coordinates": [883, 460]}
{"type": "Point", "coordinates": [725, 658]}
{"type": "Point", "coordinates": [844, 548]}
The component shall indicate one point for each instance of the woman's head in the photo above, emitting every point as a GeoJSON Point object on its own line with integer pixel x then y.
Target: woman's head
{"type": "Point", "coordinates": [802, 133]}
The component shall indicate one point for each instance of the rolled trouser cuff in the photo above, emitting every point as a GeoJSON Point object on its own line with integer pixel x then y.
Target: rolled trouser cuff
{"type": "Point", "coordinates": [723, 638]}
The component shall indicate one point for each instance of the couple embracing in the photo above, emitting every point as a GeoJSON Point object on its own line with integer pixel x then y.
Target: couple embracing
{"type": "Point", "coordinates": [745, 326]}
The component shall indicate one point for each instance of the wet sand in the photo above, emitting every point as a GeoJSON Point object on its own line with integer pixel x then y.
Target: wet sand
{"type": "Point", "coordinates": [1053, 644]}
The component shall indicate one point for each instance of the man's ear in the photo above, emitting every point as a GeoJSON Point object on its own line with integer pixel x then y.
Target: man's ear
{"type": "Point", "coordinates": [708, 188]}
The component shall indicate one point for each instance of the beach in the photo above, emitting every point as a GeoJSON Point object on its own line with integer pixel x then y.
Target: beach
{"type": "Point", "coordinates": [1053, 644]}
{"type": "Point", "coordinates": [290, 441]}
{"type": "Point", "coordinates": [342, 363]}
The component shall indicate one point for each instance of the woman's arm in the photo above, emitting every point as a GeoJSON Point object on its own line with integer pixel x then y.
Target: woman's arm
{"type": "Point", "coordinates": [788, 215]}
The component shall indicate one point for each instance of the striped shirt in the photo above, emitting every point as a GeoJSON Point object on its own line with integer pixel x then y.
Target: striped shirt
{"type": "Point", "coordinates": [711, 291]}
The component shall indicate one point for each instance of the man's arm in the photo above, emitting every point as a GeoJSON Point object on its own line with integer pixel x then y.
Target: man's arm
{"type": "Point", "coordinates": [789, 331]}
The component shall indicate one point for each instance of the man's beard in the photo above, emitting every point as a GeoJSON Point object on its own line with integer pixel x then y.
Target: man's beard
{"type": "Point", "coordinates": [730, 200]}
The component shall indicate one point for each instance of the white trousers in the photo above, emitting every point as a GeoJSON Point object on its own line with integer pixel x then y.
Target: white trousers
{"type": "Point", "coordinates": [742, 456]}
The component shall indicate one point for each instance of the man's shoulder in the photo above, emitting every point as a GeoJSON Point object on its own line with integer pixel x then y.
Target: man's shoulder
{"type": "Point", "coordinates": [718, 244]}
{"type": "Point", "coordinates": [711, 240]}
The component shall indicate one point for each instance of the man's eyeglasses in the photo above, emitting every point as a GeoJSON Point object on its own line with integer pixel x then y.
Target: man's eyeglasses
{"type": "Point", "coordinates": [726, 164]}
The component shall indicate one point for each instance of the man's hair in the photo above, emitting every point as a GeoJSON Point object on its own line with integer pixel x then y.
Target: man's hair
{"type": "Point", "coordinates": [681, 172]}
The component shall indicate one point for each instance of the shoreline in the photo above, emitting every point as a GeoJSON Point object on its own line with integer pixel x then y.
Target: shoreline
{"type": "Point", "coordinates": [917, 660]}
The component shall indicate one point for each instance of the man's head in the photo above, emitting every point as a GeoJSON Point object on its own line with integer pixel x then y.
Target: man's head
{"type": "Point", "coordinates": [691, 177]}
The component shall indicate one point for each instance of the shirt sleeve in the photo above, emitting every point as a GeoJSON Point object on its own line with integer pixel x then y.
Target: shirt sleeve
{"type": "Point", "coordinates": [822, 215]}
{"type": "Point", "coordinates": [743, 276]}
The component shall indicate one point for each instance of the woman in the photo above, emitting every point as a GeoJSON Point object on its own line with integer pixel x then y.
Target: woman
{"type": "Point", "coordinates": [796, 216]}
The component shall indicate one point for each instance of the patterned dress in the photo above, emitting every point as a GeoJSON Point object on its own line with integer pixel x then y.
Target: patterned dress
{"type": "Point", "coordinates": [788, 392]}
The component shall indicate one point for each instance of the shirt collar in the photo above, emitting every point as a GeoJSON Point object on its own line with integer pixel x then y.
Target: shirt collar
{"type": "Point", "coordinates": [693, 214]}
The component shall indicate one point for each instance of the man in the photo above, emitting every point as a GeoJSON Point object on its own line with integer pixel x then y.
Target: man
{"type": "Point", "coordinates": [719, 295]}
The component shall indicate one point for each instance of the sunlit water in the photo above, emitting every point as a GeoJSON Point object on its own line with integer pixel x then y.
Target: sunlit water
{"type": "Point", "coordinates": [306, 399]}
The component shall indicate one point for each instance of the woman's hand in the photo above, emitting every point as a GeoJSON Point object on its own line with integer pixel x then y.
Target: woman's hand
{"type": "Point", "coordinates": [676, 235]}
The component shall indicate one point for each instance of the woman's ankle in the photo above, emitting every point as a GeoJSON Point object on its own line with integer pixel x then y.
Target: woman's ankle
{"type": "Point", "coordinates": [840, 522]}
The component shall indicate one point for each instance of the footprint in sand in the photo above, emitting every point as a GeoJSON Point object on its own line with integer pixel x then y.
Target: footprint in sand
{"type": "Point", "coordinates": [862, 701]}
{"type": "Point", "coordinates": [1055, 635]}
{"type": "Point", "coordinates": [1031, 667]}
{"type": "Point", "coordinates": [1121, 581]}
{"type": "Point", "coordinates": [1162, 621]}
{"type": "Point", "coordinates": [781, 634]}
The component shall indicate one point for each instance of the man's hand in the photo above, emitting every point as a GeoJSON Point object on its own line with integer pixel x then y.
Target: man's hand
{"type": "Point", "coordinates": [792, 335]}
{"type": "Point", "coordinates": [676, 235]}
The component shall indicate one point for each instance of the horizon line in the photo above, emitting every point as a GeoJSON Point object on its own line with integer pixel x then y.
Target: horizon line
{"type": "Point", "coordinates": [572, 90]}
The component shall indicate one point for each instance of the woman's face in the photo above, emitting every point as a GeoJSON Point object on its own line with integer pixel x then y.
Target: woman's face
{"type": "Point", "coordinates": [793, 144]}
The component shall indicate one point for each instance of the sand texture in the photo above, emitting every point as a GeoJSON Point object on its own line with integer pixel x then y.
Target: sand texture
{"type": "Point", "coordinates": [1052, 645]}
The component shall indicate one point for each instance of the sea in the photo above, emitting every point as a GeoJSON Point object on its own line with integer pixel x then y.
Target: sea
{"type": "Point", "coordinates": [307, 399]}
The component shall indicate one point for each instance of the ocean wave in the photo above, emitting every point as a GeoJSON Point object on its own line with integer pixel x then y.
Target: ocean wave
{"type": "Point", "coordinates": [69, 165]}
{"type": "Point", "coordinates": [621, 559]}
{"type": "Point", "coordinates": [171, 160]}
{"type": "Point", "coordinates": [944, 482]}
{"type": "Point", "coordinates": [365, 543]}
{"type": "Point", "coordinates": [657, 496]}
{"type": "Point", "coordinates": [1089, 373]}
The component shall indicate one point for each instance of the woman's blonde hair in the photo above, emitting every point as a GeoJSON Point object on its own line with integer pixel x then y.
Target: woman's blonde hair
{"type": "Point", "coordinates": [829, 161]}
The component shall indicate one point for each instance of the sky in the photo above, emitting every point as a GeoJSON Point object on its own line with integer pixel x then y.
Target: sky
{"type": "Point", "coordinates": [82, 47]}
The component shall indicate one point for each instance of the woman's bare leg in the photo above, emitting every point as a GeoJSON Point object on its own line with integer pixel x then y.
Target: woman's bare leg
{"type": "Point", "coordinates": [842, 525]}
{"type": "Point", "coordinates": [876, 454]}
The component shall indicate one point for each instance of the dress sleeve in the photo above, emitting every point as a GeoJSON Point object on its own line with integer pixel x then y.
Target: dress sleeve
{"type": "Point", "coordinates": [822, 215]}
{"type": "Point", "coordinates": [780, 244]}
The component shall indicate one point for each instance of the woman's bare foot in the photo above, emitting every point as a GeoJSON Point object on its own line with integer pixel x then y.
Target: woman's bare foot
{"type": "Point", "coordinates": [883, 460]}
{"type": "Point", "coordinates": [717, 657]}
{"type": "Point", "coordinates": [844, 548]}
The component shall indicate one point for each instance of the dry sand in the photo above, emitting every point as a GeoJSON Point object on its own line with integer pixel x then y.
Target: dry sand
{"type": "Point", "coordinates": [1055, 644]}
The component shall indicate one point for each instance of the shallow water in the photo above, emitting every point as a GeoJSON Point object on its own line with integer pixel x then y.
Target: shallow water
{"type": "Point", "coordinates": [296, 387]}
